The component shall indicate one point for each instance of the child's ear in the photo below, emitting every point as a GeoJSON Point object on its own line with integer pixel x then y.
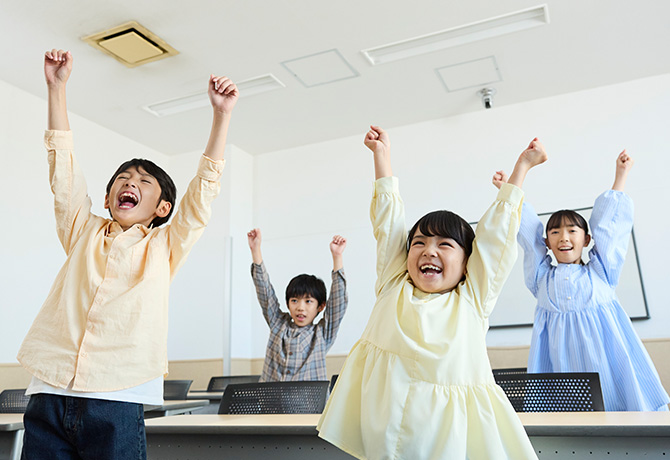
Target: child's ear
{"type": "Point", "coordinates": [106, 201]}
{"type": "Point", "coordinates": [163, 208]}
{"type": "Point", "coordinates": [587, 240]}
{"type": "Point", "coordinates": [321, 307]}
{"type": "Point", "coordinates": [546, 242]}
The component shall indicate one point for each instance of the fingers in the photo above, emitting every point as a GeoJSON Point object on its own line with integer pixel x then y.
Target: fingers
{"type": "Point", "coordinates": [223, 85]}
{"type": "Point", "coordinates": [58, 55]}
{"type": "Point", "coordinates": [339, 240]}
{"type": "Point", "coordinates": [254, 233]}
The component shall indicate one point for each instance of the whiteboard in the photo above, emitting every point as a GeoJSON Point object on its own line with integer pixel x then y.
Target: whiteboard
{"type": "Point", "coordinates": [516, 305]}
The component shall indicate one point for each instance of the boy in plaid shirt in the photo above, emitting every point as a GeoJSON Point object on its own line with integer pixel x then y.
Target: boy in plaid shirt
{"type": "Point", "coordinates": [297, 348]}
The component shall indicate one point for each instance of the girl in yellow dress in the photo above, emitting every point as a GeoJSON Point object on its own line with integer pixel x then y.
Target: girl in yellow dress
{"type": "Point", "coordinates": [418, 384]}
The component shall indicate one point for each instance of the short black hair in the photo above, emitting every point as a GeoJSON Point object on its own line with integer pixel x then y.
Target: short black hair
{"type": "Point", "coordinates": [168, 189]}
{"type": "Point", "coordinates": [567, 217]}
{"type": "Point", "coordinates": [306, 286]}
{"type": "Point", "coordinates": [445, 224]}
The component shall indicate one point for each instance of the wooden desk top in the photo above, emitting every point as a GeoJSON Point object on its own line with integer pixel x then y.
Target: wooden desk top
{"type": "Point", "coordinates": [631, 424]}
{"type": "Point", "coordinates": [11, 422]}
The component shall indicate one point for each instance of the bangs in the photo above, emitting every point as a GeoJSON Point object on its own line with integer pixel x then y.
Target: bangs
{"type": "Point", "coordinates": [445, 224]}
{"type": "Point", "coordinates": [567, 217]}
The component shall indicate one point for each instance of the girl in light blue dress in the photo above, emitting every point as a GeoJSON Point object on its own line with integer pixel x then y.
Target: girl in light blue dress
{"type": "Point", "coordinates": [579, 324]}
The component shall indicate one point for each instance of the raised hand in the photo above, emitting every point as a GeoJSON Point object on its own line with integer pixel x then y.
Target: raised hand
{"type": "Point", "coordinates": [624, 163]}
{"type": "Point", "coordinates": [499, 178]}
{"type": "Point", "coordinates": [535, 153]}
{"type": "Point", "coordinates": [338, 245]}
{"type": "Point", "coordinates": [254, 238]}
{"type": "Point", "coordinates": [57, 66]}
{"type": "Point", "coordinates": [377, 140]}
{"type": "Point", "coordinates": [223, 93]}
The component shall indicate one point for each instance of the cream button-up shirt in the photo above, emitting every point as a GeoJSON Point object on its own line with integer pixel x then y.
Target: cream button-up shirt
{"type": "Point", "coordinates": [103, 326]}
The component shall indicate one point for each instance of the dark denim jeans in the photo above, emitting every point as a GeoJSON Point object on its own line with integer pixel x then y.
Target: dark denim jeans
{"type": "Point", "coordinates": [64, 427]}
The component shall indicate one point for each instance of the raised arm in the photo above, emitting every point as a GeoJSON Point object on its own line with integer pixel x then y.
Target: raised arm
{"type": "Point", "coordinates": [223, 96]}
{"type": "Point", "coordinates": [623, 165]}
{"type": "Point", "coordinates": [378, 141]}
{"type": "Point", "coordinates": [387, 211]}
{"type": "Point", "coordinates": [254, 239]}
{"type": "Point", "coordinates": [337, 247]}
{"type": "Point", "coordinates": [611, 223]}
{"type": "Point", "coordinates": [494, 249]}
{"type": "Point", "coordinates": [57, 69]}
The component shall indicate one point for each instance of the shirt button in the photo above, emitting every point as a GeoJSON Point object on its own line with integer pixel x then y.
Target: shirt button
{"type": "Point", "coordinates": [290, 353]}
{"type": "Point", "coordinates": [567, 278]}
{"type": "Point", "coordinates": [288, 372]}
{"type": "Point", "coordinates": [82, 354]}
{"type": "Point", "coordinates": [569, 298]}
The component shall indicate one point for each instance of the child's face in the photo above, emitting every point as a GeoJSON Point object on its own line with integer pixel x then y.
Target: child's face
{"type": "Point", "coordinates": [567, 243]}
{"type": "Point", "coordinates": [134, 198]}
{"type": "Point", "coordinates": [304, 309]}
{"type": "Point", "coordinates": [435, 263]}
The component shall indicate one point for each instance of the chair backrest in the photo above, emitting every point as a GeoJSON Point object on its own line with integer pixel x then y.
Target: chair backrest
{"type": "Point", "coordinates": [176, 389]}
{"type": "Point", "coordinates": [510, 370]}
{"type": "Point", "coordinates": [333, 379]}
{"type": "Point", "coordinates": [13, 401]}
{"type": "Point", "coordinates": [220, 383]}
{"type": "Point", "coordinates": [275, 398]}
{"type": "Point", "coordinates": [553, 392]}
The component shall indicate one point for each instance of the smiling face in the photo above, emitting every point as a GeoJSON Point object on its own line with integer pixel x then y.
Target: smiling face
{"type": "Point", "coordinates": [435, 263]}
{"type": "Point", "coordinates": [303, 310]}
{"type": "Point", "coordinates": [567, 242]}
{"type": "Point", "coordinates": [135, 198]}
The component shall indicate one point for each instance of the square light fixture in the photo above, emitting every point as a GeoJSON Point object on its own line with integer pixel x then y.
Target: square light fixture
{"type": "Point", "coordinates": [256, 85]}
{"type": "Point", "coordinates": [493, 27]}
{"type": "Point", "coordinates": [131, 44]}
{"type": "Point", "coordinates": [320, 68]}
{"type": "Point", "coordinates": [475, 73]}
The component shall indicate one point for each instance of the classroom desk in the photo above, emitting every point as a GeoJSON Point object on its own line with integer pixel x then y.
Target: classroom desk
{"type": "Point", "coordinates": [11, 436]}
{"type": "Point", "coordinates": [577, 435]}
{"type": "Point", "coordinates": [174, 407]}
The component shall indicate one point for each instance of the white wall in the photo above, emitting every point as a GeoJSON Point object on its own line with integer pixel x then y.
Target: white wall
{"type": "Point", "coordinates": [303, 195]}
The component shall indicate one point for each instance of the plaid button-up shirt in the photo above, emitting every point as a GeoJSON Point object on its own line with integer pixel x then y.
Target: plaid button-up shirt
{"type": "Point", "coordinates": [293, 352]}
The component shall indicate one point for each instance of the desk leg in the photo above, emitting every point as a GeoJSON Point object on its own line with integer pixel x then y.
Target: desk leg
{"type": "Point", "coordinates": [600, 448]}
{"type": "Point", "coordinates": [18, 445]}
{"type": "Point", "coordinates": [250, 447]}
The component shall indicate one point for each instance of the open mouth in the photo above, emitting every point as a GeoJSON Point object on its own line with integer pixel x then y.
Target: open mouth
{"type": "Point", "coordinates": [429, 269]}
{"type": "Point", "coordinates": [565, 248]}
{"type": "Point", "coordinates": [128, 200]}
{"type": "Point", "coordinates": [300, 317]}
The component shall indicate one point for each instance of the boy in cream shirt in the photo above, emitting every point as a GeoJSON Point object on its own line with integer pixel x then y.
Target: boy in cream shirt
{"type": "Point", "coordinates": [98, 347]}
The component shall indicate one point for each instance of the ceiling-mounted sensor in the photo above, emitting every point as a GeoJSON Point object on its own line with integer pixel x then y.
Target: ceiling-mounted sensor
{"type": "Point", "coordinates": [487, 96]}
{"type": "Point", "coordinates": [131, 44]}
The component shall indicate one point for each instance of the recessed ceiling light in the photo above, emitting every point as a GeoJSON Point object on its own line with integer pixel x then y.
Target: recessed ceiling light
{"type": "Point", "coordinates": [256, 85]}
{"type": "Point", "coordinates": [475, 73]}
{"type": "Point", "coordinates": [131, 44]}
{"type": "Point", "coordinates": [493, 27]}
{"type": "Point", "coordinates": [320, 68]}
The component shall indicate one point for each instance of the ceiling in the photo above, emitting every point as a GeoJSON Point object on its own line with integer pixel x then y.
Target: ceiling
{"type": "Point", "coordinates": [586, 44]}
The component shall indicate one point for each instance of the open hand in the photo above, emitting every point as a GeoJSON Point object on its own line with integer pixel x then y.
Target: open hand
{"type": "Point", "coordinates": [223, 93]}
{"type": "Point", "coordinates": [57, 66]}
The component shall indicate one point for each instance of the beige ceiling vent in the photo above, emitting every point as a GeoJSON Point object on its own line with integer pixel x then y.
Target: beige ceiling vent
{"type": "Point", "coordinates": [131, 44]}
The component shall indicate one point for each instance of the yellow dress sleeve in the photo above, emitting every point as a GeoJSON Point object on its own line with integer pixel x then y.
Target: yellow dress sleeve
{"type": "Point", "coordinates": [494, 250]}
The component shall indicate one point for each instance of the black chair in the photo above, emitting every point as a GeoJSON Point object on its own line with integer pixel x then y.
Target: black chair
{"type": "Point", "coordinates": [275, 398]}
{"type": "Point", "coordinates": [553, 392]}
{"type": "Point", "coordinates": [13, 401]}
{"type": "Point", "coordinates": [510, 371]}
{"type": "Point", "coordinates": [176, 389]}
{"type": "Point", "coordinates": [333, 379]}
{"type": "Point", "coordinates": [220, 383]}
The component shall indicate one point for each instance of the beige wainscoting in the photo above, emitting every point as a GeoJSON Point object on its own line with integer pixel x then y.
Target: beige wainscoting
{"type": "Point", "coordinates": [201, 370]}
